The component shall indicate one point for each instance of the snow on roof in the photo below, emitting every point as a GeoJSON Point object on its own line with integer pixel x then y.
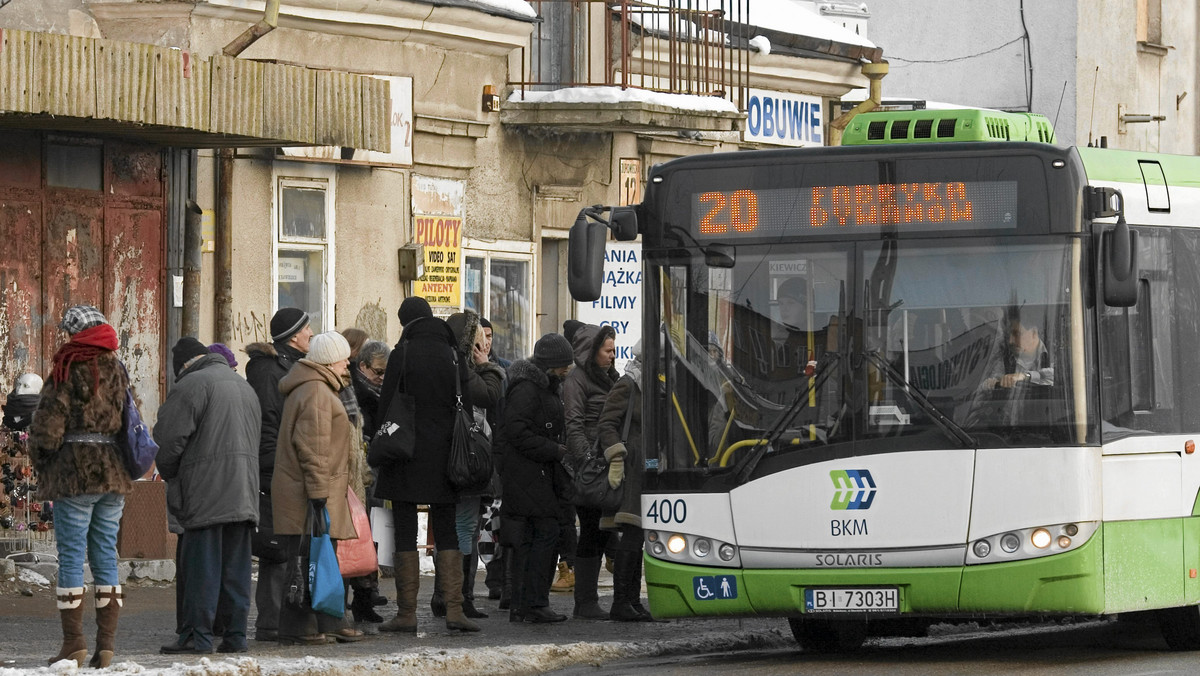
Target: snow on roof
{"type": "Point", "coordinates": [861, 95]}
{"type": "Point", "coordinates": [517, 7]}
{"type": "Point", "coordinates": [785, 16]}
{"type": "Point", "coordinates": [706, 104]}
{"type": "Point", "coordinates": [790, 16]}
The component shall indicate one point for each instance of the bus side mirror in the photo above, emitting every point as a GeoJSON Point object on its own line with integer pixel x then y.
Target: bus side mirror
{"type": "Point", "coordinates": [623, 222]}
{"type": "Point", "coordinates": [585, 258]}
{"type": "Point", "coordinates": [1120, 265]}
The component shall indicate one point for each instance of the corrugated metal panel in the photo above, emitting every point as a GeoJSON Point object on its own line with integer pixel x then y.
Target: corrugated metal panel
{"type": "Point", "coordinates": [286, 89]}
{"type": "Point", "coordinates": [67, 83]}
{"type": "Point", "coordinates": [339, 109]}
{"type": "Point", "coordinates": [125, 81]}
{"type": "Point", "coordinates": [17, 57]}
{"type": "Point", "coordinates": [66, 75]}
{"type": "Point", "coordinates": [184, 84]}
{"type": "Point", "coordinates": [376, 132]}
{"type": "Point", "coordinates": [237, 102]}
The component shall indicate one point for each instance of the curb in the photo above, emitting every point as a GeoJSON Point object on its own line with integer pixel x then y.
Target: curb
{"type": "Point", "coordinates": [512, 660]}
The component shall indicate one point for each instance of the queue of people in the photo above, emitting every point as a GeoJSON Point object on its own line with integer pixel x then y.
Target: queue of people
{"type": "Point", "coordinates": [249, 463]}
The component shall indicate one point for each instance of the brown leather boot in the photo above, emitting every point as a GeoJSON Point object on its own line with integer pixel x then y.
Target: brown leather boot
{"type": "Point", "coordinates": [408, 581]}
{"type": "Point", "coordinates": [450, 563]}
{"type": "Point", "coordinates": [109, 600]}
{"type": "Point", "coordinates": [70, 610]}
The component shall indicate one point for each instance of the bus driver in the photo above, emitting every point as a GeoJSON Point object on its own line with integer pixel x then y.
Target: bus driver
{"type": "Point", "coordinates": [1025, 358]}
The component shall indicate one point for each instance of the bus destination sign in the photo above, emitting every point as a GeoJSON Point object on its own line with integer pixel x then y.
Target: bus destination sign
{"type": "Point", "coordinates": [819, 210]}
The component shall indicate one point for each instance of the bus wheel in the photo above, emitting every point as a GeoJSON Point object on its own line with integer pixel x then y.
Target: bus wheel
{"type": "Point", "coordinates": [828, 636]}
{"type": "Point", "coordinates": [1181, 627]}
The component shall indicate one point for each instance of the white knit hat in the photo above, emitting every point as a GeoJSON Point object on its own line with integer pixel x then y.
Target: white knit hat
{"type": "Point", "coordinates": [328, 347]}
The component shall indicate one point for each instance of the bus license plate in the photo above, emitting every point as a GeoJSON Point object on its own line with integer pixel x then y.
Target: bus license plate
{"type": "Point", "coordinates": [875, 600]}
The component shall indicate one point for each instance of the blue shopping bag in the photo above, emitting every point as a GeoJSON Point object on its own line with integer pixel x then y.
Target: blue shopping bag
{"type": "Point", "coordinates": [324, 577]}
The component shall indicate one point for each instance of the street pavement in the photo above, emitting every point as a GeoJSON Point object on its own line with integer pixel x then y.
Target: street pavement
{"type": "Point", "coordinates": [31, 634]}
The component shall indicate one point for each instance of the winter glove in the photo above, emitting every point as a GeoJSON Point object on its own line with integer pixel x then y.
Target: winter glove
{"type": "Point", "coordinates": [615, 455]}
{"type": "Point", "coordinates": [318, 504]}
{"type": "Point", "coordinates": [616, 472]}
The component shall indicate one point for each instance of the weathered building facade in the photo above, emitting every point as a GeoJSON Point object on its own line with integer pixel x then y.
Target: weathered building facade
{"type": "Point", "coordinates": [305, 201]}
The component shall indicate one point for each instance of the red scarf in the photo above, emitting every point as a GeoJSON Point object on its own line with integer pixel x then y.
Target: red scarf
{"type": "Point", "coordinates": [84, 346]}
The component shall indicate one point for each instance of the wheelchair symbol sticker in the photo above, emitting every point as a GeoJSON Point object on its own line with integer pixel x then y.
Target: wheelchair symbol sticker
{"type": "Point", "coordinates": [714, 587]}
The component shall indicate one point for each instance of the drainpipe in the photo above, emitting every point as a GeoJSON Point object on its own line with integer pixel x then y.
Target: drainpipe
{"type": "Point", "coordinates": [223, 225]}
{"type": "Point", "coordinates": [193, 240]}
{"type": "Point", "coordinates": [875, 72]}
{"type": "Point", "coordinates": [223, 249]}
{"type": "Point", "coordinates": [251, 35]}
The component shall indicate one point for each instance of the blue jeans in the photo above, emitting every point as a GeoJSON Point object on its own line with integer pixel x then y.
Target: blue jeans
{"type": "Point", "coordinates": [88, 525]}
{"type": "Point", "coordinates": [466, 524]}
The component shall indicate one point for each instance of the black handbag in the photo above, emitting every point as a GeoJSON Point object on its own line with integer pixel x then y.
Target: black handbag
{"type": "Point", "coordinates": [296, 593]}
{"type": "Point", "coordinates": [396, 439]}
{"type": "Point", "coordinates": [590, 485]}
{"type": "Point", "coordinates": [470, 462]}
{"type": "Point", "coordinates": [264, 543]}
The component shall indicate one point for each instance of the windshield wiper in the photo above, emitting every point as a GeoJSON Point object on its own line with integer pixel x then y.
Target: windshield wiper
{"type": "Point", "coordinates": [820, 374]}
{"type": "Point", "coordinates": [947, 425]}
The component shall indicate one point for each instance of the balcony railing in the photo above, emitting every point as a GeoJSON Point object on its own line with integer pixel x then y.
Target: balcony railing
{"type": "Point", "coordinates": [671, 46]}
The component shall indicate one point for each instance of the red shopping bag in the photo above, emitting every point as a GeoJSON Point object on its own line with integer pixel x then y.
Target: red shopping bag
{"type": "Point", "coordinates": [357, 557]}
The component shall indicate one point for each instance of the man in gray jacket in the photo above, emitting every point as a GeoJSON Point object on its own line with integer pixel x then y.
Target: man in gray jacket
{"type": "Point", "coordinates": [208, 433]}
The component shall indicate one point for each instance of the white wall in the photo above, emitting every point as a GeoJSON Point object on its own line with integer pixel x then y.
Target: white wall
{"type": "Point", "coordinates": [925, 42]}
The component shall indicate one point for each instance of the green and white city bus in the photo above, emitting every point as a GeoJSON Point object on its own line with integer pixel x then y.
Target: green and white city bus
{"type": "Point", "coordinates": [946, 370]}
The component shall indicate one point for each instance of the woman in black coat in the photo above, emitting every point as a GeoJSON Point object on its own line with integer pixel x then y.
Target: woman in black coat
{"type": "Point", "coordinates": [424, 365]}
{"type": "Point", "coordinates": [533, 435]}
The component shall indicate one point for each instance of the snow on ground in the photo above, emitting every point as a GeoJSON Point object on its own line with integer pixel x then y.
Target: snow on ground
{"type": "Point", "coordinates": [32, 577]}
{"type": "Point", "coordinates": [487, 661]}
{"type": "Point", "coordinates": [711, 104]}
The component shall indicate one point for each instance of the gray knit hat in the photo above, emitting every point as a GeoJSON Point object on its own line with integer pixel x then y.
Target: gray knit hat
{"type": "Point", "coordinates": [552, 351]}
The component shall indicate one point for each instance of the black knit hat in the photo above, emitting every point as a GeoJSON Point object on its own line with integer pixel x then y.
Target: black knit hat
{"type": "Point", "coordinates": [570, 327]}
{"type": "Point", "coordinates": [414, 308]}
{"type": "Point", "coordinates": [187, 349]}
{"type": "Point", "coordinates": [287, 323]}
{"type": "Point", "coordinates": [552, 351]}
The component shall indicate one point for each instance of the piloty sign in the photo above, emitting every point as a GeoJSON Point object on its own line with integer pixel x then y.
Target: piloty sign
{"type": "Point", "coordinates": [782, 118]}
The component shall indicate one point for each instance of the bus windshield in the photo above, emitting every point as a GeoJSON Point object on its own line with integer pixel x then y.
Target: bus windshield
{"type": "Point", "coordinates": [879, 346]}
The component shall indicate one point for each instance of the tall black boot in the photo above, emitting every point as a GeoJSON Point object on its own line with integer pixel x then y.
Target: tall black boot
{"type": "Point", "coordinates": [470, 568]}
{"type": "Point", "coordinates": [627, 588]}
{"type": "Point", "coordinates": [437, 602]}
{"type": "Point", "coordinates": [587, 599]}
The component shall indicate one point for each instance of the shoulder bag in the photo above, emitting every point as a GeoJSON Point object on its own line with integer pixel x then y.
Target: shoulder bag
{"type": "Point", "coordinates": [470, 462]}
{"type": "Point", "coordinates": [396, 439]}
{"type": "Point", "coordinates": [137, 447]}
{"type": "Point", "coordinates": [590, 484]}
{"type": "Point", "coordinates": [356, 557]}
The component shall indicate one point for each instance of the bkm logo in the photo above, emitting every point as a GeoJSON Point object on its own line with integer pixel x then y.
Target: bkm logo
{"type": "Point", "coordinates": [853, 489]}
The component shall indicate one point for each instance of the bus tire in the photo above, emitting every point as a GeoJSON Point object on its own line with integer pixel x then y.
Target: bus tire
{"type": "Point", "coordinates": [1180, 627]}
{"type": "Point", "coordinates": [828, 636]}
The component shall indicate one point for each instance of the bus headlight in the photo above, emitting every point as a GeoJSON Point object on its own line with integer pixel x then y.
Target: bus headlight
{"type": "Point", "coordinates": [726, 552]}
{"type": "Point", "coordinates": [677, 543]}
{"type": "Point", "coordinates": [1030, 543]}
{"type": "Point", "coordinates": [1040, 538]}
{"type": "Point", "coordinates": [702, 547]}
{"type": "Point", "coordinates": [658, 549]}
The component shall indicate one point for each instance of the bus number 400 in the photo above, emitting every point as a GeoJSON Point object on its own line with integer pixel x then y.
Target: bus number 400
{"type": "Point", "coordinates": [667, 511]}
